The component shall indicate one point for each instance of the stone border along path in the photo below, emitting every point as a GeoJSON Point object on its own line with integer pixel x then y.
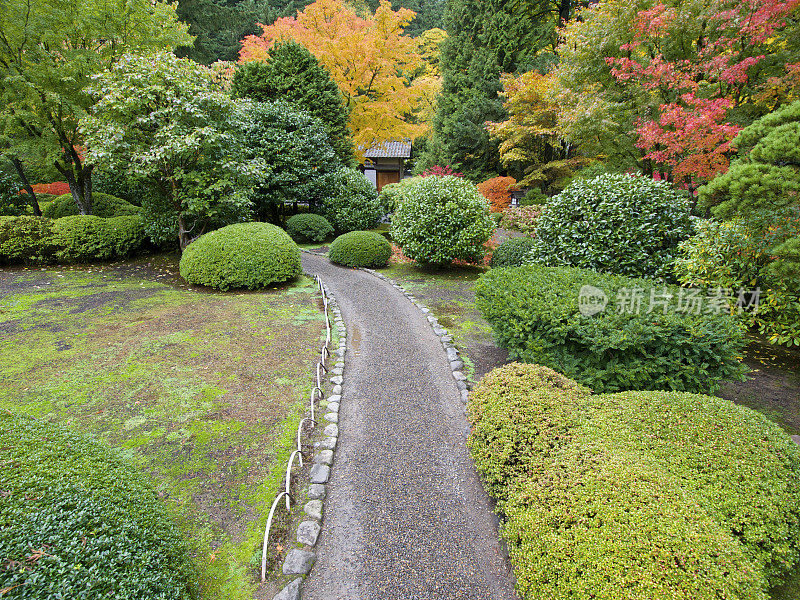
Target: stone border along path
{"type": "Point", "coordinates": [406, 515]}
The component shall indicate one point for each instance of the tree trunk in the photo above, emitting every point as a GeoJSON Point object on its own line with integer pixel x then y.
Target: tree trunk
{"type": "Point", "coordinates": [26, 185]}
{"type": "Point", "coordinates": [79, 178]}
{"type": "Point", "coordinates": [183, 234]}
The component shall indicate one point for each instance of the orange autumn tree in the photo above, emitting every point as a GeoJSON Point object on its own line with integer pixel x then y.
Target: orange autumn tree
{"type": "Point", "coordinates": [368, 57]}
{"type": "Point", "coordinates": [497, 191]}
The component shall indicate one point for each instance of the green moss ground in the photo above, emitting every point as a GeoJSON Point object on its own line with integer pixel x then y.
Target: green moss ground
{"type": "Point", "coordinates": [201, 390]}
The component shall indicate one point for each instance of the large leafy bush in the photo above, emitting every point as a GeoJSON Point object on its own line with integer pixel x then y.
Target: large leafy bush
{"type": "Point", "coordinates": [535, 312]}
{"type": "Point", "coordinates": [733, 256]}
{"type": "Point", "coordinates": [392, 195]}
{"type": "Point", "coordinates": [308, 227]}
{"type": "Point", "coordinates": [103, 205]}
{"type": "Point", "coordinates": [349, 201]}
{"type": "Point", "coordinates": [497, 191]}
{"type": "Point", "coordinates": [244, 255]}
{"type": "Point", "coordinates": [76, 521]}
{"type": "Point", "coordinates": [442, 219]}
{"type": "Point", "coordinates": [360, 249]}
{"type": "Point", "coordinates": [614, 223]}
{"type": "Point", "coordinates": [656, 495]}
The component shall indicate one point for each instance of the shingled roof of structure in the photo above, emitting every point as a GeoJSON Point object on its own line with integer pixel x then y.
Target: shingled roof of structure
{"type": "Point", "coordinates": [393, 149]}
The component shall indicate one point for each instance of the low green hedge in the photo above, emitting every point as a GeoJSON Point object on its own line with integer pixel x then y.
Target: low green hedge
{"type": "Point", "coordinates": [535, 313]}
{"type": "Point", "coordinates": [88, 238]}
{"type": "Point", "coordinates": [76, 521]}
{"type": "Point", "coordinates": [26, 240]}
{"type": "Point", "coordinates": [360, 249]}
{"type": "Point", "coordinates": [308, 227]}
{"type": "Point", "coordinates": [103, 205]}
{"type": "Point", "coordinates": [512, 253]}
{"type": "Point", "coordinates": [657, 495]}
{"type": "Point", "coordinates": [244, 255]}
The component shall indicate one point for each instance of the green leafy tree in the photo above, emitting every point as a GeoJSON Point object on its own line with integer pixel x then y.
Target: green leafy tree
{"type": "Point", "coordinates": [49, 50]}
{"type": "Point", "coordinates": [160, 119]}
{"type": "Point", "coordinates": [294, 75]}
{"type": "Point", "coordinates": [292, 154]}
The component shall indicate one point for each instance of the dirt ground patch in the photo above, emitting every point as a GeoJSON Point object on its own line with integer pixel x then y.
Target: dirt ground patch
{"type": "Point", "coordinates": [202, 390]}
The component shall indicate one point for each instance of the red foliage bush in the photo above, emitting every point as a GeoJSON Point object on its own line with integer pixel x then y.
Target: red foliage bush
{"type": "Point", "coordinates": [498, 191]}
{"type": "Point", "coordinates": [57, 188]}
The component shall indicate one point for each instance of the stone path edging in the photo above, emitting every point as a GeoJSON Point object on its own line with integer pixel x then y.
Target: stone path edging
{"type": "Point", "coordinates": [299, 561]}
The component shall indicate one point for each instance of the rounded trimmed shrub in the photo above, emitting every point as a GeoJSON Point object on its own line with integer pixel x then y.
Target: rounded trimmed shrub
{"type": "Point", "coordinates": [623, 224]}
{"type": "Point", "coordinates": [657, 495]}
{"type": "Point", "coordinates": [360, 249]}
{"type": "Point", "coordinates": [512, 253]}
{"type": "Point", "coordinates": [86, 238]}
{"type": "Point", "coordinates": [103, 205]}
{"type": "Point", "coordinates": [76, 521]}
{"type": "Point", "coordinates": [308, 227]}
{"type": "Point", "coordinates": [392, 195]}
{"type": "Point", "coordinates": [442, 219]}
{"type": "Point", "coordinates": [350, 202]}
{"type": "Point", "coordinates": [243, 255]}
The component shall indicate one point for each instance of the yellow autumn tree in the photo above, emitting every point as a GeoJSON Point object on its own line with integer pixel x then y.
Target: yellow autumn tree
{"type": "Point", "coordinates": [368, 56]}
{"type": "Point", "coordinates": [530, 139]}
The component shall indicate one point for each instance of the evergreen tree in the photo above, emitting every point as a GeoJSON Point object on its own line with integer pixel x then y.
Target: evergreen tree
{"type": "Point", "coordinates": [220, 25]}
{"type": "Point", "coordinates": [486, 38]}
{"type": "Point", "coordinates": [294, 75]}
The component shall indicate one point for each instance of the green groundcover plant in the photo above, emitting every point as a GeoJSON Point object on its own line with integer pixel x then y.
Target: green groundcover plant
{"type": "Point", "coordinates": [442, 219]}
{"type": "Point", "coordinates": [360, 249]}
{"type": "Point", "coordinates": [640, 494]}
{"type": "Point", "coordinates": [647, 335]}
{"type": "Point", "coordinates": [103, 205]}
{"type": "Point", "coordinates": [243, 255]}
{"type": "Point", "coordinates": [76, 521]}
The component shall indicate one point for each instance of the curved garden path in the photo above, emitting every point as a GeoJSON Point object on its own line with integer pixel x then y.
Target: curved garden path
{"type": "Point", "coordinates": [405, 516]}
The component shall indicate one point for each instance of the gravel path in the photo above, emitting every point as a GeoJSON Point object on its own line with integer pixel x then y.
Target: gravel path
{"type": "Point", "coordinates": [406, 516]}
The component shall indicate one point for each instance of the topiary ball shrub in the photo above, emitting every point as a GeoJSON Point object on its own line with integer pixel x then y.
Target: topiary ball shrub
{"type": "Point", "coordinates": [309, 227]}
{"type": "Point", "coordinates": [76, 521]}
{"type": "Point", "coordinates": [360, 249]}
{"type": "Point", "coordinates": [86, 238]}
{"type": "Point", "coordinates": [350, 203]}
{"type": "Point", "coordinates": [442, 219]}
{"type": "Point", "coordinates": [244, 255]}
{"type": "Point", "coordinates": [542, 315]}
{"type": "Point", "coordinates": [392, 195]}
{"type": "Point", "coordinates": [623, 224]}
{"type": "Point", "coordinates": [512, 253]}
{"type": "Point", "coordinates": [103, 205]}
{"type": "Point", "coordinates": [657, 495]}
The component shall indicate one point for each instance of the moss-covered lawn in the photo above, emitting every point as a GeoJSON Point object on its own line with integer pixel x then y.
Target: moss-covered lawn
{"type": "Point", "coordinates": [201, 390]}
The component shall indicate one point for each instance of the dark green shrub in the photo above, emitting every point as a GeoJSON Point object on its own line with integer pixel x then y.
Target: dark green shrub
{"type": "Point", "coordinates": [442, 219]}
{"type": "Point", "coordinates": [349, 202]}
{"type": "Point", "coordinates": [86, 238]}
{"type": "Point", "coordinates": [392, 195]}
{"type": "Point", "coordinates": [26, 240]}
{"type": "Point", "coordinates": [512, 253]}
{"type": "Point", "coordinates": [309, 227]}
{"type": "Point", "coordinates": [76, 521]}
{"type": "Point", "coordinates": [656, 495]}
{"type": "Point", "coordinates": [12, 203]}
{"type": "Point", "coordinates": [103, 205]}
{"type": "Point", "coordinates": [244, 255]}
{"type": "Point", "coordinates": [535, 312]}
{"type": "Point", "coordinates": [360, 249]}
{"type": "Point", "coordinates": [534, 197]}
{"type": "Point", "coordinates": [614, 223]}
